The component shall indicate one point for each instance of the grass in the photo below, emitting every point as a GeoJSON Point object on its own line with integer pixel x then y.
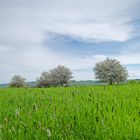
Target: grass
{"type": "Point", "coordinates": [72, 113]}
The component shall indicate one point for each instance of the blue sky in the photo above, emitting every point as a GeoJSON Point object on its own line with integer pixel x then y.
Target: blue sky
{"type": "Point", "coordinates": [36, 36]}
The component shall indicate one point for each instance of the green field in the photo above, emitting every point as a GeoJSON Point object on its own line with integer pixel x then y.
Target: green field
{"type": "Point", "coordinates": [86, 112]}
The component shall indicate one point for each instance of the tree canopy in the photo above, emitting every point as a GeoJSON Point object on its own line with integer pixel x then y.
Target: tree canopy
{"type": "Point", "coordinates": [17, 81]}
{"type": "Point", "coordinates": [59, 76]}
{"type": "Point", "coordinates": [111, 71]}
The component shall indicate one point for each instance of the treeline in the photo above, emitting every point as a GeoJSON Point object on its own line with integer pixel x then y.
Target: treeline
{"type": "Point", "coordinates": [135, 81]}
{"type": "Point", "coordinates": [109, 71]}
{"type": "Point", "coordinates": [59, 76]}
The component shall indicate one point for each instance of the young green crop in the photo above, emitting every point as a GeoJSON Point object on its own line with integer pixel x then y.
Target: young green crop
{"type": "Point", "coordinates": [86, 112]}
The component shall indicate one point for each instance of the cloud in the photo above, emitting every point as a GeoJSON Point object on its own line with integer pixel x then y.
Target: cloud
{"type": "Point", "coordinates": [95, 31]}
{"type": "Point", "coordinates": [30, 61]}
{"type": "Point", "coordinates": [89, 20]}
{"type": "Point", "coordinates": [26, 24]}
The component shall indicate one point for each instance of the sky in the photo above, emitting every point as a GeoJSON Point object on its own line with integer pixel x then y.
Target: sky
{"type": "Point", "coordinates": [38, 35]}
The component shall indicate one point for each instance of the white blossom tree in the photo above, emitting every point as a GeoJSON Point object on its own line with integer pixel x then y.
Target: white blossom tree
{"type": "Point", "coordinates": [59, 76]}
{"type": "Point", "coordinates": [18, 81]}
{"type": "Point", "coordinates": [111, 71]}
{"type": "Point", "coordinates": [45, 80]}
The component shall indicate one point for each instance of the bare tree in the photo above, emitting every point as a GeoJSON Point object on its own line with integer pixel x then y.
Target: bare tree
{"type": "Point", "coordinates": [59, 76]}
{"type": "Point", "coordinates": [111, 71]}
{"type": "Point", "coordinates": [18, 81]}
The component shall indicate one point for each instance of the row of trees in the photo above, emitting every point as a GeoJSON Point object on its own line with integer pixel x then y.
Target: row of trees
{"type": "Point", "coordinates": [109, 70]}
{"type": "Point", "coordinates": [59, 76]}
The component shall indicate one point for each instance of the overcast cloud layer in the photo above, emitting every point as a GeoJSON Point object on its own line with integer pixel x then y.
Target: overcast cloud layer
{"type": "Point", "coordinates": [38, 35]}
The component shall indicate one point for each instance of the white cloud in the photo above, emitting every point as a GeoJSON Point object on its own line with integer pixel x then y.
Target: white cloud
{"type": "Point", "coordinates": [95, 31]}
{"type": "Point", "coordinates": [134, 74]}
{"type": "Point", "coordinates": [89, 20]}
{"type": "Point", "coordinates": [30, 61]}
{"type": "Point", "coordinates": [129, 58]}
{"type": "Point", "coordinates": [24, 25]}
